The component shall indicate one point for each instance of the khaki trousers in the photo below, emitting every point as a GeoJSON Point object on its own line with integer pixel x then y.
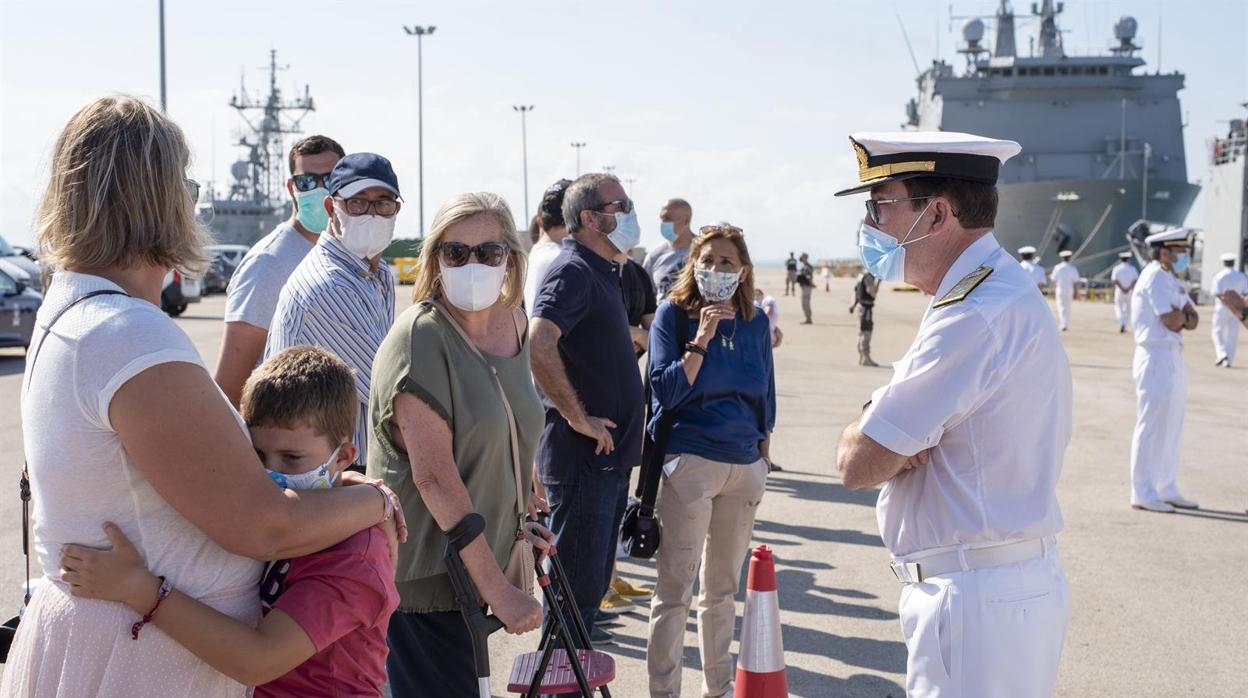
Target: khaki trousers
{"type": "Point", "coordinates": [707, 512]}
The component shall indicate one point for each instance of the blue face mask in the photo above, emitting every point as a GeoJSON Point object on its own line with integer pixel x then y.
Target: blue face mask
{"type": "Point", "coordinates": [316, 479]}
{"type": "Point", "coordinates": [882, 254]}
{"type": "Point", "coordinates": [1181, 263]}
{"type": "Point", "coordinates": [312, 214]}
{"type": "Point", "coordinates": [627, 233]}
{"type": "Point", "coordinates": [668, 231]}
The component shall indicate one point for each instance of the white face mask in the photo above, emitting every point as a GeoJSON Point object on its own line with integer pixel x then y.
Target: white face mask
{"type": "Point", "coordinates": [365, 236]}
{"type": "Point", "coordinates": [317, 478]}
{"type": "Point", "coordinates": [627, 232]}
{"type": "Point", "coordinates": [473, 286]}
{"type": "Point", "coordinates": [716, 286]}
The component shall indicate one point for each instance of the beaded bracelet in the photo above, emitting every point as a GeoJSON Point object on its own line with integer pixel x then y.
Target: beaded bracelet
{"type": "Point", "coordinates": [161, 594]}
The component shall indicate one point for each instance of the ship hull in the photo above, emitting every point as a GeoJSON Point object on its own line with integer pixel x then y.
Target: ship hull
{"type": "Point", "coordinates": [232, 223]}
{"type": "Point", "coordinates": [1064, 213]}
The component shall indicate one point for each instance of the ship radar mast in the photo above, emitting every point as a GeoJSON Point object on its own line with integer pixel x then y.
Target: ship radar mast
{"type": "Point", "coordinates": [260, 178]}
{"type": "Point", "coordinates": [1050, 35]}
{"type": "Point", "coordinates": [1124, 32]}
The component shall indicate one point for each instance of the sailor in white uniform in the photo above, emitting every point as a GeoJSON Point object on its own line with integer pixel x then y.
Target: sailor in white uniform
{"type": "Point", "coordinates": [1225, 322]}
{"type": "Point", "coordinates": [1123, 276]}
{"type": "Point", "coordinates": [968, 452]}
{"type": "Point", "coordinates": [1160, 311]}
{"type": "Point", "coordinates": [1065, 279]}
{"type": "Point", "coordinates": [1028, 262]}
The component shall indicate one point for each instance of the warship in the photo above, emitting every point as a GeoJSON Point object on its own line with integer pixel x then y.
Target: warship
{"type": "Point", "coordinates": [1226, 201]}
{"type": "Point", "coordinates": [1102, 140]}
{"type": "Point", "coordinates": [256, 199]}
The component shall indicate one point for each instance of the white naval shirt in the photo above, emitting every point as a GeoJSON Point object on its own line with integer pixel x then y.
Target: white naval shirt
{"type": "Point", "coordinates": [1227, 280]}
{"type": "Point", "coordinates": [1156, 293]}
{"type": "Point", "coordinates": [966, 388]}
{"type": "Point", "coordinates": [1065, 276]}
{"type": "Point", "coordinates": [1123, 274]}
{"type": "Point", "coordinates": [1036, 271]}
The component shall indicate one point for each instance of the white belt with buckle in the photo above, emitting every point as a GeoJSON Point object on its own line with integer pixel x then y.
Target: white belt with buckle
{"type": "Point", "coordinates": [918, 570]}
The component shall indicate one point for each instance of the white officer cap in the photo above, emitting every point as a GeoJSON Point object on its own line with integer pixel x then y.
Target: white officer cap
{"type": "Point", "coordinates": [1027, 249]}
{"type": "Point", "coordinates": [1227, 257]}
{"type": "Point", "coordinates": [1066, 254]}
{"type": "Point", "coordinates": [896, 155]}
{"type": "Point", "coordinates": [1124, 255]}
{"type": "Point", "coordinates": [1170, 237]}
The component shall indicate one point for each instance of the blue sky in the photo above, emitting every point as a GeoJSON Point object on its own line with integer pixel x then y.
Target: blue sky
{"type": "Point", "coordinates": [740, 107]}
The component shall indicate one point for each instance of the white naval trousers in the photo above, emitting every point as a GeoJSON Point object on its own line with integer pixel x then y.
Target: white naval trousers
{"type": "Point", "coordinates": [1122, 307]}
{"type": "Point", "coordinates": [1225, 333]}
{"type": "Point", "coordinates": [1064, 300]}
{"type": "Point", "coordinates": [996, 631]}
{"type": "Point", "coordinates": [1161, 400]}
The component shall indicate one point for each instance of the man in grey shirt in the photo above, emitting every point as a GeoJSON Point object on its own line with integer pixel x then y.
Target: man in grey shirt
{"type": "Point", "coordinates": [664, 262]}
{"type": "Point", "coordinates": [257, 283]}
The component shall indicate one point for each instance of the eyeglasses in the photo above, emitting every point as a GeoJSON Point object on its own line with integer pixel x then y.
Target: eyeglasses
{"type": "Point", "coordinates": [457, 254]}
{"type": "Point", "coordinates": [192, 188]}
{"type": "Point", "coordinates": [359, 206]}
{"type": "Point", "coordinates": [873, 206]}
{"type": "Point", "coordinates": [626, 206]}
{"type": "Point", "coordinates": [310, 180]}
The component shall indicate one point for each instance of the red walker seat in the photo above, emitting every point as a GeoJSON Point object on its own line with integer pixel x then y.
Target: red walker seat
{"type": "Point", "coordinates": [559, 679]}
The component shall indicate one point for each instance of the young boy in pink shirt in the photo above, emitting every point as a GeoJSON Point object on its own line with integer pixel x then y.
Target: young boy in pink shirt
{"type": "Point", "coordinates": [325, 614]}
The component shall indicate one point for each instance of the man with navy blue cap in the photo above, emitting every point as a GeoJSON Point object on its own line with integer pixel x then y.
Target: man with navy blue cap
{"type": "Point", "coordinates": [967, 452]}
{"type": "Point", "coordinates": [341, 296]}
{"type": "Point", "coordinates": [1160, 311]}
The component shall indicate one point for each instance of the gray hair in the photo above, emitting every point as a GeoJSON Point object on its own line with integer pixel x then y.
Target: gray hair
{"type": "Point", "coordinates": [582, 195]}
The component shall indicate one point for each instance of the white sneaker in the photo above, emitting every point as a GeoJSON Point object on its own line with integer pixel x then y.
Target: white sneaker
{"type": "Point", "coordinates": [1182, 502]}
{"type": "Point", "coordinates": [1155, 505]}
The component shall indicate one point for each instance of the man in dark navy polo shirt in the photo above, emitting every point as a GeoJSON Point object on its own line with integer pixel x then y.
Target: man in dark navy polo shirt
{"type": "Point", "coordinates": [584, 364]}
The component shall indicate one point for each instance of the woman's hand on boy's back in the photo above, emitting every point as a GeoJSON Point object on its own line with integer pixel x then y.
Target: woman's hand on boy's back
{"type": "Point", "coordinates": [112, 575]}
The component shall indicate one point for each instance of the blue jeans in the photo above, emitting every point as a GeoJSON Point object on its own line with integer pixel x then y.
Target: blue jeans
{"type": "Point", "coordinates": [585, 514]}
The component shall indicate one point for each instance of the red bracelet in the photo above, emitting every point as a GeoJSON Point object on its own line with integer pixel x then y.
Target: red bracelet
{"type": "Point", "coordinates": [161, 594]}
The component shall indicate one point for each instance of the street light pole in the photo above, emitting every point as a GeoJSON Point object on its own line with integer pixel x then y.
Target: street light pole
{"type": "Point", "coordinates": [163, 105]}
{"type": "Point", "coordinates": [578, 147]}
{"type": "Point", "coordinates": [419, 32]}
{"type": "Point", "coordinates": [524, 145]}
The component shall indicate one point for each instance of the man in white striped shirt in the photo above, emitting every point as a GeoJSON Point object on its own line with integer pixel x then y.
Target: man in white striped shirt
{"type": "Point", "coordinates": [341, 297]}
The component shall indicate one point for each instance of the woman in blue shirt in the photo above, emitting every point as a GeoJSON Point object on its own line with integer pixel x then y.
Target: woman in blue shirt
{"type": "Point", "coordinates": [722, 389]}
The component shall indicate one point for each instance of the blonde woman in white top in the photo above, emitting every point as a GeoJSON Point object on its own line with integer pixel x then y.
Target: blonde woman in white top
{"type": "Point", "coordinates": [122, 423]}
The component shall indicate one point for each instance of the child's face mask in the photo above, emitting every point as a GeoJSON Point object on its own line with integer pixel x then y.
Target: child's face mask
{"type": "Point", "coordinates": [317, 478]}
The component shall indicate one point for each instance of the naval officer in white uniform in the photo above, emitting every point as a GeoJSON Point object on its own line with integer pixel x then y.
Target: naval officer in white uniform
{"type": "Point", "coordinates": [1065, 278]}
{"type": "Point", "coordinates": [1225, 323]}
{"type": "Point", "coordinates": [1123, 276]}
{"type": "Point", "coordinates": [1028, 263]}
{"type": "Point", "coordinates": [1160, 311]}
{"type": "Point", "coordinates": [968, 452]}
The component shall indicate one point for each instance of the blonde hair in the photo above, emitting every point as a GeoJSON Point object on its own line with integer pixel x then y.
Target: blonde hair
{"type": "Point", "coordinates": [117, 193]}
{"type": "Point", "coordinates": [458, 210]}
{"type": "Point", "coordinates": [302, 386]}
{"type": "Point", "coordinates": [685, 294]}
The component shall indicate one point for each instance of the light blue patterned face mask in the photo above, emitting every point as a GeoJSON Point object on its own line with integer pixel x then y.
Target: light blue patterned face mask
{"type": "Point", "coordinates": [716, 286]}
{"type": "Point", "coordinates": [882, 254]}
{"type": "Point", "coordinates": [1182, 262]}
{"type": "Point", "coordinates": [316, 479]}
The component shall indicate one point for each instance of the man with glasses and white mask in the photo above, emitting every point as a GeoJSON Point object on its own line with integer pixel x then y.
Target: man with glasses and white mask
{"type": "Point", "coordinates": [583, 362]}
{"type": "Point", "coordinates": [341, 297]}
{"type": "Point", "coordinates": [967, 452]}
{"type": "Point", "coordinates": [256, 284]}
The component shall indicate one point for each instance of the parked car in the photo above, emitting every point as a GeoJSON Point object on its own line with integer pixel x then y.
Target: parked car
{"type": "Point", "coordinates": [231, 256]}
{"type": "Point", "coordinates": [179, 291]}
{"type": "Point", "coordinates": [24, 262]}
{"type": "Point", "coordinates": [215, 279]}
{"type": "Point", "coordinates": [18, 305]}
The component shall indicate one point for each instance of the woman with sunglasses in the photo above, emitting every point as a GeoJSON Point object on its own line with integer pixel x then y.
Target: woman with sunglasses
{"type": "Point", "coordinates": [454, 418]}
{"type": "Point", "coordinates": [721, 388]}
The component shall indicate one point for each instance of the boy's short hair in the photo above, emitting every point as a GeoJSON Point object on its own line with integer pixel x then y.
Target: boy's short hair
{"type": "Point", "coordinates": [302, 386]}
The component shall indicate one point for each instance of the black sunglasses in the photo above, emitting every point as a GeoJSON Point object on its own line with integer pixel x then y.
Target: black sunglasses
{"type": "Point", "coordinates": [311, 180]}
{"type": "Point", "coordinates": [626, 206]}
{"type": "Point", "coordinates": [457, 254]}
{"type": "Point", "coordinates": [192, 188]}
{"type": "Point", "coordinates": [873, 205]}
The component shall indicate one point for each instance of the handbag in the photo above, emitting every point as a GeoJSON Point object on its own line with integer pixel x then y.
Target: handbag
{"type": "Point", "coordinates": [640, 531]}
{"type": "Point", "coordinates": [8, 631]}
{"type": "Point", "coordinates": [520, 570]}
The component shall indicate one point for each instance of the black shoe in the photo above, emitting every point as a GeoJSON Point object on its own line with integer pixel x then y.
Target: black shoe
{"type": "Point", "coordinates": [776, 468]}
{"type": "Point", "coordinates": [599, 635]}
{"type": "Point", "coordinates": [1121, 330]}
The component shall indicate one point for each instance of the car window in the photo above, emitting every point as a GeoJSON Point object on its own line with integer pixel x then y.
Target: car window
{"type": "Point", "coordinates": [5, 249]}
{"type": "Point", "coordinates": [8, 286]}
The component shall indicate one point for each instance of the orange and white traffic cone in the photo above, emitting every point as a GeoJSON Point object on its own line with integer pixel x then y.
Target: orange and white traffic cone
{"type": "Point", "coordinates": [760, 663]}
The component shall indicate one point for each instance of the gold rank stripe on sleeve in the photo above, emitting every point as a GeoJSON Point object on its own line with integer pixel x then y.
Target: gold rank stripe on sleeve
{"type": "Point", "coordinates": [963, 288]}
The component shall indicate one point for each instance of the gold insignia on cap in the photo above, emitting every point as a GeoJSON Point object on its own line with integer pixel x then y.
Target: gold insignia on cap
{"type": "Point", "coordinates": [963, 288]}
{"type": "Point", "coordinates": [861, 152]}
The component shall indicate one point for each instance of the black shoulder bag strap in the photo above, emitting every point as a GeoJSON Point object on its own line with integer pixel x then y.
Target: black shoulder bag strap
{"type": "Point", "coordinates": [24, 485]}
{"type": "Point", "coordinates": [654, 450]}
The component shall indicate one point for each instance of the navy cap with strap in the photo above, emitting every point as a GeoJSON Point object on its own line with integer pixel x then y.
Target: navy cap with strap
{"type": "Point", "coordinates": [359, 171]}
